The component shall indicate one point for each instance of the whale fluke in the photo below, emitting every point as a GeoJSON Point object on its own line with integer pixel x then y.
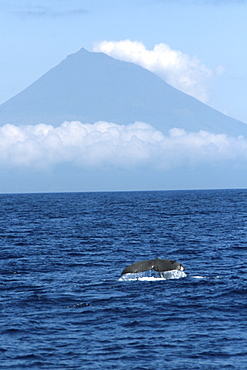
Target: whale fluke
{"type": "Point", "coordinates": [156, 265]}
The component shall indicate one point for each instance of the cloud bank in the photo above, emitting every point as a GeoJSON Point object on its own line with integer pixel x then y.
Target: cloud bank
{"type": "Point", "coordinates": [106, 144]}
{"type": "Point", "coordinates": [180, 70]}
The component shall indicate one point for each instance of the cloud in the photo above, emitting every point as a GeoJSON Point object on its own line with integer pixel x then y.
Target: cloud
{"type": "Point", "coordinates": [201, 2]}
{"type": "Point", "coordinates": [180, 70]}
{"type": "Point", "coordinates": [222, 2]}
{"type": "Point", "coordinates": [108, 145]}
{"type": "Point", "coordinates": [40, 11]}
{"type": "Point", "coordinates": [45, 12]}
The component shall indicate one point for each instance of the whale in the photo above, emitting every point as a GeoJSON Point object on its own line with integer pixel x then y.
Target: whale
{"type": "Point", "coordinates": [156, 264]}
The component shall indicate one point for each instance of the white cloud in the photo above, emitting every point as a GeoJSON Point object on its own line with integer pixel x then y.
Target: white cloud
{"type": "Point", "coordinates": [105, 144]}
{"type": "Point", "coordinates": [180, 70]}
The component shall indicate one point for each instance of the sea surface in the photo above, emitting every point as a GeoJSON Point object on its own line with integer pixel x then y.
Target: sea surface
{"type": "Point", "coordinates": [63, 302]}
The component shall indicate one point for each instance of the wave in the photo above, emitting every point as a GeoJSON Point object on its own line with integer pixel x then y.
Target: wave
{"type": "Point", "coordinates": [205, 277]}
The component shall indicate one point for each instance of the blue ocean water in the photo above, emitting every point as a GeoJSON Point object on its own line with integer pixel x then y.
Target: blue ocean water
{"type": "Point", "coordinates": [64, 304]}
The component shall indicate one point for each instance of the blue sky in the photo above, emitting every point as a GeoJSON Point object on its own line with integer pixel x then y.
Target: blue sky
{"type": "Point", "coordinates": [198, 46]}
{"type": "Point", "coordinates": [37, 35]}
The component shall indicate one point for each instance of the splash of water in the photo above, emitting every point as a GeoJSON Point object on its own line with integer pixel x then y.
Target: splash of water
{"type": "Point", "coordinates": [153, 275]}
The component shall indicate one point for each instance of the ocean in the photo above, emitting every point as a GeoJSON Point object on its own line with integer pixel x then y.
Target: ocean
{"type": "Point", "coordinates": [64, 304]}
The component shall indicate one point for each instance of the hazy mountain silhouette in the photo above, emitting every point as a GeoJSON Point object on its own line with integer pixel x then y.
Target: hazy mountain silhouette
{"type": "Point", "coordinates": [89, 87]}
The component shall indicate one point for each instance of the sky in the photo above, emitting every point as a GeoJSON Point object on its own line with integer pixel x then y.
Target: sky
{"type": "Point", "coordinates": [37, 35]}
{"type": "Point", "coordinates": [198, 46]}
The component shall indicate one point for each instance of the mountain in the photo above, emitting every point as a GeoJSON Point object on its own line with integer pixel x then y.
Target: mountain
{"type": "Point", "coordinates": [89, 87]}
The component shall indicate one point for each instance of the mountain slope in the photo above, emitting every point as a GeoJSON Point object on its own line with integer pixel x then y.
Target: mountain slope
{"type": "Point", "coordinates": [90, 87]}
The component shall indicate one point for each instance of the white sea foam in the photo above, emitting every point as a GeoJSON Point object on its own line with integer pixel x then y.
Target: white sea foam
{"type": "Point", "coordinates": [153, 275]}
{"type": "Point", "coordinates": [204, 277]}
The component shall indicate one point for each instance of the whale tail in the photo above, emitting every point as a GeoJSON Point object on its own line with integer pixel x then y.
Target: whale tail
{"type": "Point", "coordinates": [157, 264]}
